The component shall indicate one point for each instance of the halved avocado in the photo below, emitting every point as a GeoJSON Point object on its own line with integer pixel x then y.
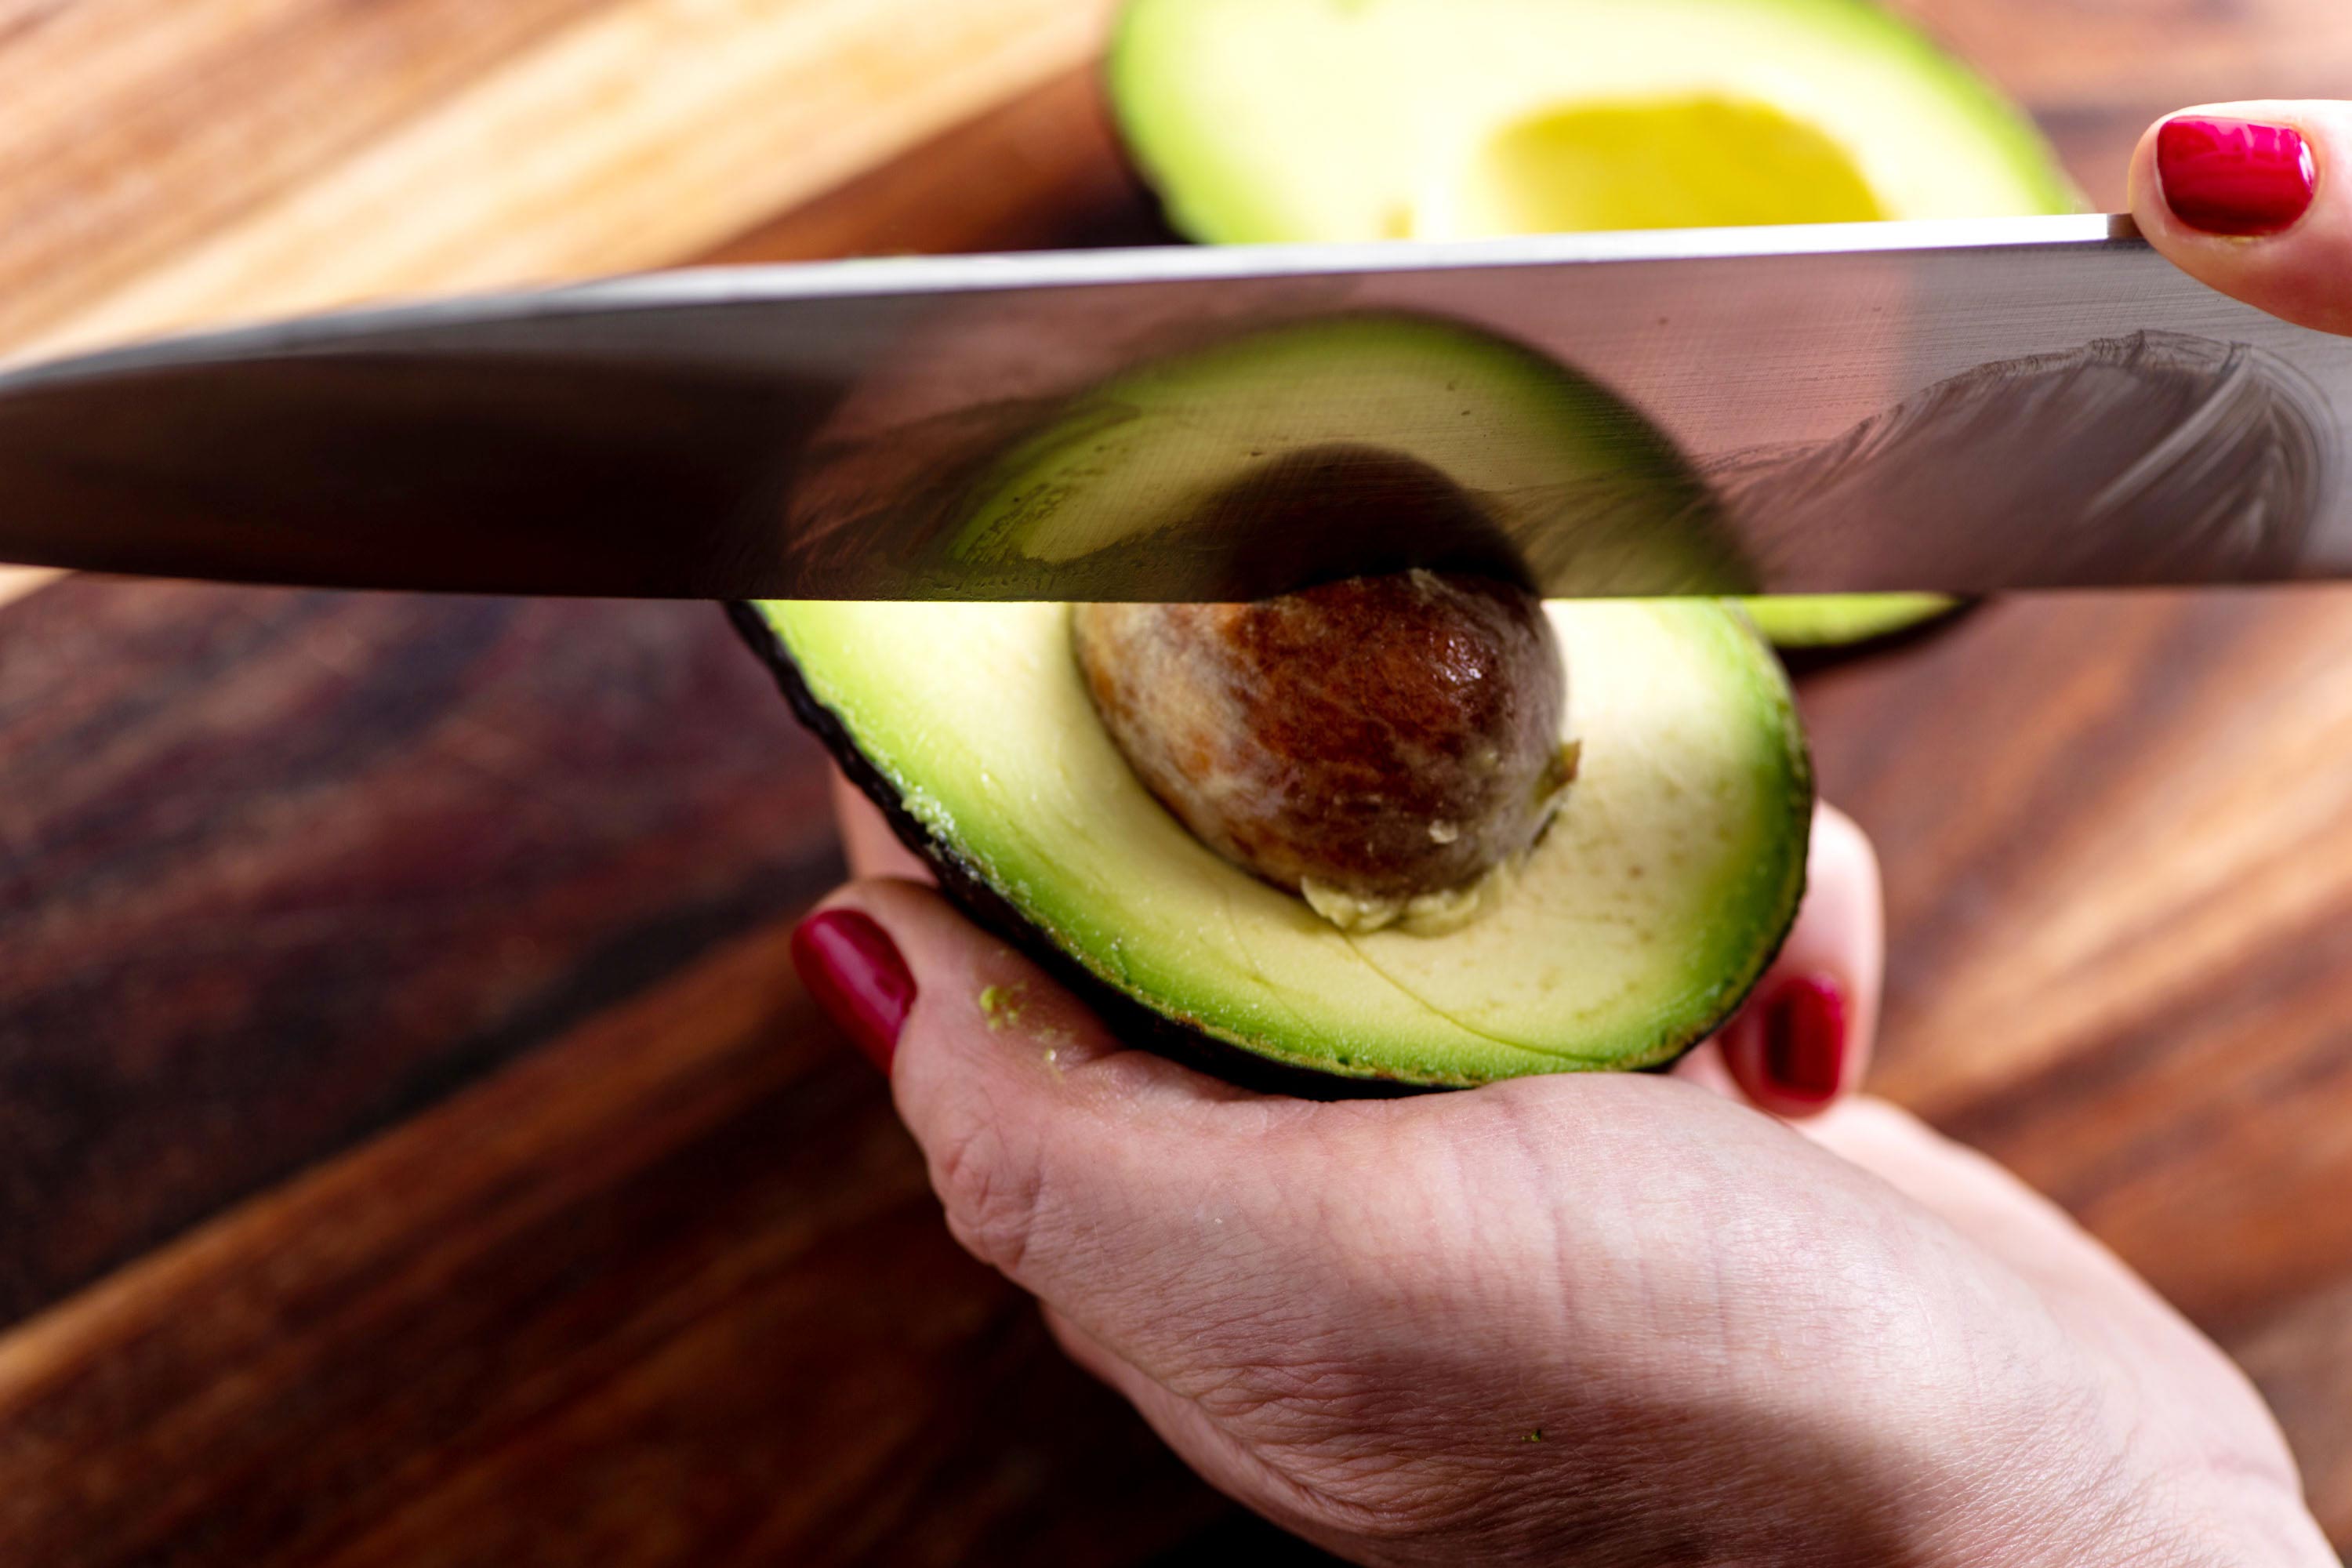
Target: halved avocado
{"type": "Point", "coordinates": [1649, 908]}
{"type": "Point", "coordinates": [1639, 922]}
{"type": "Point", "coordinates": [1350, 119]}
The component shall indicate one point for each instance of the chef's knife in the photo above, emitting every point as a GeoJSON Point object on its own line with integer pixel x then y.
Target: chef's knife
{"type": "Point", "coordinates": [1962, 406]}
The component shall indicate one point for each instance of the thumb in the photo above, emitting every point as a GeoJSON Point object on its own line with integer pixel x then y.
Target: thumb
{"type": "Point", "coordinates": [1043, 1134]}
{"type": "Point", "coordinates": [2253, 199]}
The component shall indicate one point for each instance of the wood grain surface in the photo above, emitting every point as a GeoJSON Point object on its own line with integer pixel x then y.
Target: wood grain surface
{"type": "Point", "coordinates": [168, 164]}
{"type": "Point", "coordinates": [411, 1146]}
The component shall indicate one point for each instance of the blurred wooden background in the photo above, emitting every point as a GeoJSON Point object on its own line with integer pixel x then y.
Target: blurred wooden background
{"type": "Point", "coordinates": [412, 1146]}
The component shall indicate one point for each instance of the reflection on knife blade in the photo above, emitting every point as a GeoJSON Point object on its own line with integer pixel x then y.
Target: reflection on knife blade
{"type": "Point", "coordinates": [2185, 458]}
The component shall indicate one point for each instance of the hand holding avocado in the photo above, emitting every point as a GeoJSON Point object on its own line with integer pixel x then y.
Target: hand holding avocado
{"type": "Point", "coordinates": [1565, 1317]}
{"type": "Point", "coordinates": [1606, 1320]}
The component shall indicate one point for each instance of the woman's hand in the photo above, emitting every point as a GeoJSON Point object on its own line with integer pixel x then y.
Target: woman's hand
{"type": "Point", "coordinates": [1620, 1318]}
{"type": "Point", "coordinates": [2252, 198]}
{"type": "Point", "coordinates": [1599, 1320]}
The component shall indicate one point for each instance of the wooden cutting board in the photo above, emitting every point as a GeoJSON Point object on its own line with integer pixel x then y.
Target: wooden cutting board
{"type": "Point", "coordinates": [168, 164]}
{"type": "Point", "coordinates": [412, 1146]}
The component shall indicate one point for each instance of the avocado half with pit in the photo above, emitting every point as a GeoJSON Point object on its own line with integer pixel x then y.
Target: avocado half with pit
{"type": "Point", "coordinates": [1660, 882]}
{"type": "Point", "coordinates": [1360, 119]}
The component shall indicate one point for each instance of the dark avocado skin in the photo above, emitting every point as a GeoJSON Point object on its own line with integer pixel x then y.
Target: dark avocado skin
{"type": "Point", "coordinates": [1128, 1019]}
{"type": "Point", "coordinates": [1800, 661]}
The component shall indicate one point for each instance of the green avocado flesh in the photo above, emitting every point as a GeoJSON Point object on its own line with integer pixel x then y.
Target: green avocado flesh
{"type": "Point", "coordinates": [1354, 119]}
{"type": "Point", "coordinates": [1647, 910]}
{"type": "Point", "coordinates": [1638, 923]}
{"type": "Point", "coordinates": [1367, 434]}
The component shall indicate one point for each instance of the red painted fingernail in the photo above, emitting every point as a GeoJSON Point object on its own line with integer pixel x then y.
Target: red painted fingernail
{"type": "Point", "coordinates": [2236, 178]}
{"type": "Point", "coordinates": [853, 969]}
{"type": "Point", "coordinates": [1804, 1028]}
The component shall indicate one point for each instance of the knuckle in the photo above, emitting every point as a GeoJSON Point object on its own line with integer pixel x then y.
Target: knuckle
{"type": "Point", "coordinates": [990, 1190]}
{"type": "Point", "coordinates": [1386, 1496]}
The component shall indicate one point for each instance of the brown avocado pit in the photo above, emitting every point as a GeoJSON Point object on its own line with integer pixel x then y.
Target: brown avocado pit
{"type": "Point", "coordinates": [1386, 747]}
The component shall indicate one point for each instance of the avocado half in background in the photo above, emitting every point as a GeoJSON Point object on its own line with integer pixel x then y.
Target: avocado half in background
{"type": "Point", "coordinates": [1359, 120]}
{"type": "Point", "coordinates": [1663, 885]}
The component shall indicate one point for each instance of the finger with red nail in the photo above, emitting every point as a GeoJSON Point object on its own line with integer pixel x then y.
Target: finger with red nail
{"type": "Point", "coordinates": [1804, 1037]}
{"type": "Point", "coordinates": [2248, 198]}
{"type": "Point", "coordinates": [853, 972]}
{"type": "Point", "coordinates": [1787, 1048]}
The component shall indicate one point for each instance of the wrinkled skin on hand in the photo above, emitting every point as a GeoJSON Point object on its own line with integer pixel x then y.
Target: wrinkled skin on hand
{"type": "Point", "coordinates": [1598, 1319]}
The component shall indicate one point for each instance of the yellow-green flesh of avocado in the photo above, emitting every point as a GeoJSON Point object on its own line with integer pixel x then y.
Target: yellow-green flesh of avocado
{"type": "Point", "coordinates": [1350, 119]}
{"type": "Point", "coordinates": [1640, 921]}
{"type": "Point", "coordinates": [1840, 620]}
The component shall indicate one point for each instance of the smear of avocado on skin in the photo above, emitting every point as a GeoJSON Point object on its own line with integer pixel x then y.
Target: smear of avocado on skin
{"type": "Point", "coordinates": [1001, 1006]}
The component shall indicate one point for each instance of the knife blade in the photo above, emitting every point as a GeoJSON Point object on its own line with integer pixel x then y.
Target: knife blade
{"type": "Point", "coordinates": [1961, 406]}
